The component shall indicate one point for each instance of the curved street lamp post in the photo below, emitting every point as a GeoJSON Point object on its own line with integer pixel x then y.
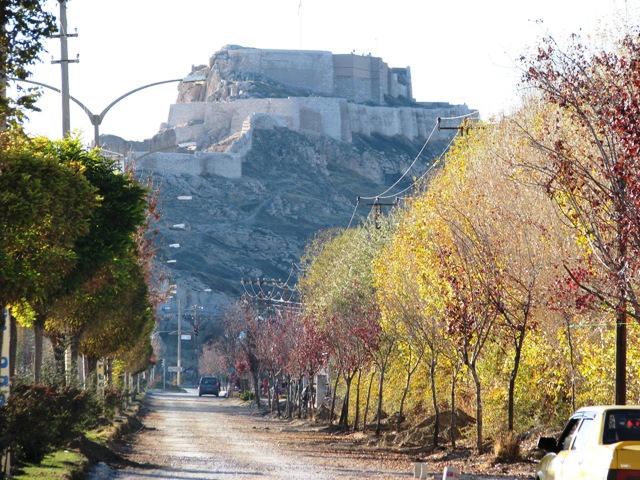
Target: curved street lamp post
{"type": "Point", "coordinates": [96, 120]}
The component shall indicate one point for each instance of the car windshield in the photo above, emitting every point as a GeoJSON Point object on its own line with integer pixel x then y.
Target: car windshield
{"type": "Point", "coordinates": [208, 381]}
{"type": "Point", "coordinates": [621, 425]}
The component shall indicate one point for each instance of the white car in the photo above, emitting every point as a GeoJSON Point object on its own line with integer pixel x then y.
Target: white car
{"type": "Point", "coordinates": [597, 443]}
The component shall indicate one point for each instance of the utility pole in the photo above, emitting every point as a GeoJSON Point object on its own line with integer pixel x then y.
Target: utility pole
{"type": "Point", "coordinates": [463, 128]}
{"type": "Point", "coordinates": [196, 328]}
{"type": "Point", "coordinates": [377, 206]}
{"type": "Point", "coordinates": [64, 66]}
{"type": "Point", "coordinates": [179, 344]}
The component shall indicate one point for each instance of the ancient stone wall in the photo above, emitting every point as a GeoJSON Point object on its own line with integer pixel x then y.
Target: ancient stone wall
{"type": "Point", "coordinates": [333, 117]}
{"type": "Point", "coordinates": [195, 164]}
{"type": "Point", "coordinates": [359, 78]}
{"type": "Point", "coordinates": [346, 86]}
{"type": "Point", "coordinates": [306, 69]}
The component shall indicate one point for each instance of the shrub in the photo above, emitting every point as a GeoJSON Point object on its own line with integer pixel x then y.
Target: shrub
{"type": "Point", "coordinates": [247, 396]}
{"type": "Point", "coordinates": [506, 448]}
{"type": "Point", "coordinates": [112, 402]}
{"type": "Point", "coordinates": [37, 419]}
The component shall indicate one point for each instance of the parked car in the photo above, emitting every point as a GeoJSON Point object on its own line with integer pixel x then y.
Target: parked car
{"type": "Point", "coordinates": [209, 385]}
{"type": "Point", "coordinates": [597, 443]}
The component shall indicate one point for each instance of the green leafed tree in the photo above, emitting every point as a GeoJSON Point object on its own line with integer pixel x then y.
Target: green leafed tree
{"type": "Point", "coordinates": [45, 206]}
{"type": "Point", "coordinates": [109, 238]}
{"type": "Point", "coordinates": [25, 25]}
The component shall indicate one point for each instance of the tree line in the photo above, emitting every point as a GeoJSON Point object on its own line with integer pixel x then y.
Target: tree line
{"type": "Point", "coordinates": [505, 285]}
{"type": "Point", "coordinates": [76, 245]}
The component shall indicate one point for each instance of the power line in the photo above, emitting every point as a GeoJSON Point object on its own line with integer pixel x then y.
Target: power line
{"type": "Point", "coordinates": [407, 170]}
{"type": "Point", "coordinates": [271, 292]}
{"type": "Point", "coordinates": [377, 204]}
{"type": "Point", "coordinates": [437, 126]}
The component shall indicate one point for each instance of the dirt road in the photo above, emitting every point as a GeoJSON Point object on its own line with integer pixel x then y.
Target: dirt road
{"type": "Point", "coordinates": [191, 437]}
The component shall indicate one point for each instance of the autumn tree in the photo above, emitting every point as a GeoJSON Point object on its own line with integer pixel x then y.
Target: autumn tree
{"type": "Point", "coordinates": [243, 326]}
{"type": "Point", "coordinates": [309, 346]}
{"type": "Point", "coordinates": [274, 345]}
{"type": "Point", "coordinates": [420, 328]}
{"type": "Point", "coordinates": [112, 224]}
{"type": "Point", "coordinates": [117, 301]}
{"type": "Point", "coordinates": [337, 288]}
{"type": "Point", "coordinates": [514, 244]}
{"type": "Point", "coordinates": [592, 170]}
{"type": "Point", "coordinates": [46, 206]}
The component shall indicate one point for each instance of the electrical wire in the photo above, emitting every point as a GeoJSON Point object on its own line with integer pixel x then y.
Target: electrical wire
{"type": "Point", "coordinates": [408, 169]}
{"type": "Point", "coordinates": [355, 209]}
{"type": "Point", "coordinates": [424, 174]}
{"type": "Point", "coordinates": [382, 195]}
{"type": "Point", "coordinates": [466, 115]}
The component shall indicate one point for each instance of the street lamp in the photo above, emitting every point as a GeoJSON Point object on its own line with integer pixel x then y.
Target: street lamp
{"type": "Point", "coordinates": [96, 120]}
{"type": "Point", "coordinates": [179, 372]}
{"type": "Point", "coordinates": [196, 327]}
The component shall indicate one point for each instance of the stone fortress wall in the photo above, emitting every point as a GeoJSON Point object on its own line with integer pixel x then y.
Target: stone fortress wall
{"type": "Point", "coordinates": [346, 95]}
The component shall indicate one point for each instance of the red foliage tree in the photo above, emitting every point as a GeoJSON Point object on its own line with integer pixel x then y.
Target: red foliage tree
{"type": "Point", "coordinates": [596, 181]}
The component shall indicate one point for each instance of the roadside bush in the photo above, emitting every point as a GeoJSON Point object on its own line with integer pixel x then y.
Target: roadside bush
{"type": "Point", "coordinates": [247, 396]}
{"type": "Point", "coordinates": [112, 402]}
{"type": "Point", "coordinates": [38, 419]}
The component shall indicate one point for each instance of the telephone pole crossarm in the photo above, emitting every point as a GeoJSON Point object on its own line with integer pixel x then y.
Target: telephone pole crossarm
{"type": "Point", "coordinates": [377, 208]}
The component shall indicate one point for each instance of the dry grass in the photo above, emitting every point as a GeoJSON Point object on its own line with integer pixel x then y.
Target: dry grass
{"type": "Point", "coordinates": [506, 448]}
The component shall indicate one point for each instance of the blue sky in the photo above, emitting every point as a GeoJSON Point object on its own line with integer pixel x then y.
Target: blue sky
{"type": "Point", "coordinates": [461, 51]}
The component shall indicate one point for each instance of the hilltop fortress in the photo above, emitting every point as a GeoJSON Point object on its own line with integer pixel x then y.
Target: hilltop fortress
{"type": "Point", "coordinates": [312, 92]}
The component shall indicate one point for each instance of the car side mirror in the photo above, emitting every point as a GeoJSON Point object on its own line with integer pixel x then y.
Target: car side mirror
{"type": "Point", "coordinates": [547, 444]}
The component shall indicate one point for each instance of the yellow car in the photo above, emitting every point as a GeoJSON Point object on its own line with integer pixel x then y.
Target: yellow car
{"type": "Point", "coordinates": [597, 443]}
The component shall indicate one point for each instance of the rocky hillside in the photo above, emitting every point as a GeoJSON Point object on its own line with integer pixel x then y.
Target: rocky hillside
{"type": "Point", "coordinates": [292, 186]}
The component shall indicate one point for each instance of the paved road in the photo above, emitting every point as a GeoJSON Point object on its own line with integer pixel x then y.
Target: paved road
{"type": "Point", "coordinates": [191, 437]}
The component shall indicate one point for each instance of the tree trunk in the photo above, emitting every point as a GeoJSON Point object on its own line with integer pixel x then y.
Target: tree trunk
{"type": "Point", "coordinates": [405, 391]}
{"type": "Point", "coordinates": [454, 379]}
{"type": "Point", "coordinates": [621, 353]}
{"type": "Point", "coordinates": [344, 414]}
{"type": "Point", "coordinates": [299, 396]}
{"type": "Point", "coordinates": [13, 346]}
{"type": "Point", "coordinates": [366, 410]}
{"type": "Point", "coordinates": [289, 412]}
{"type": "Point", "coordinates": [357, 418]}
{"type": "Point", "coordinates": [514, 376]}
{"type": "Point", "coordinates": [479, 433]}
{"type": "Point", "coordinates": [573, 366]}
{"type": "Point", "coordinates": [379, 412]}
{"type": "Point", "coordinates": [277, 393]}
{"type": "Point", "coordinates": [74, 374]}
{"type": "Point", "coordinates": [38, 330]}
{"type": "Point", "coordinates": [436, 411]}
{"type": "Point", "coordinates": [333, 398]}
{"type": "Point", "coordinates": [256, 387]}
{"type": "Point", "coordinates": [270, 403]}
{"type": "Point", "coordinates": [58, 359]}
